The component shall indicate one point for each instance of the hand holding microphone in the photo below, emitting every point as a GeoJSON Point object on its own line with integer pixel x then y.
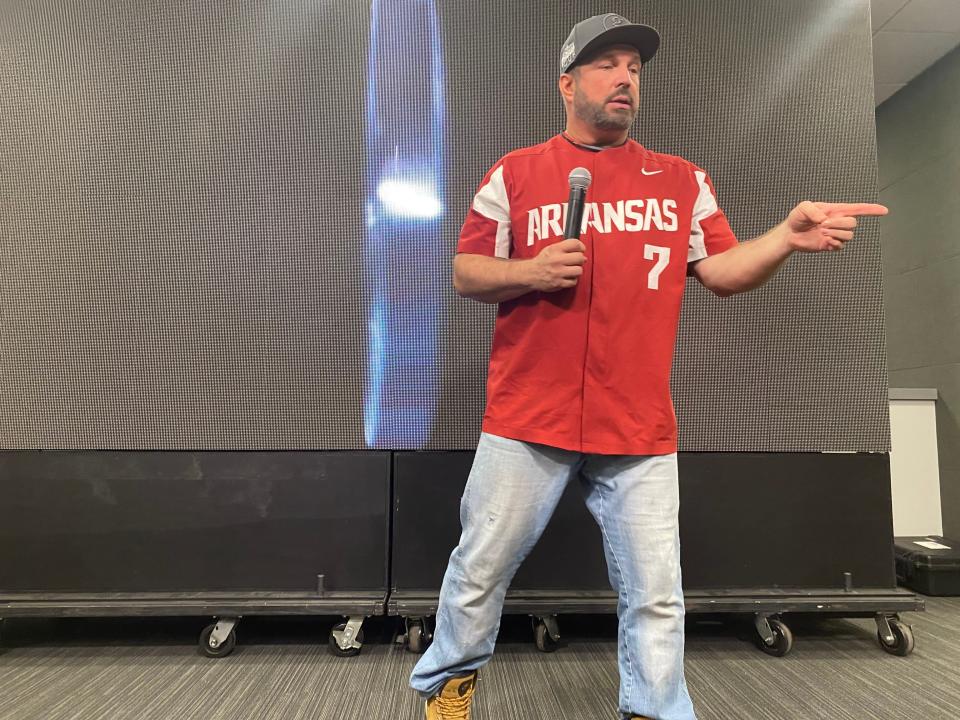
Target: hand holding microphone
{"type": "Point", "coordinates": [560, 265]}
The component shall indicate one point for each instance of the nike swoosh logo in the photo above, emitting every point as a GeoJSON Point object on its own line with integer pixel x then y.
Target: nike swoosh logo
{"type": "Point", "coordinates": [651, 172]}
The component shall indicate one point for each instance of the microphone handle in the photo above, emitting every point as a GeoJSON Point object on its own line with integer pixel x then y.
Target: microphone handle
{"type": "Point", "coordinates": [574, 213]}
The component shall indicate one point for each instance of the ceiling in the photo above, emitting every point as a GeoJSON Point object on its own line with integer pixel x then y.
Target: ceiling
{"type": "Point", "coordinates": [908, 37]}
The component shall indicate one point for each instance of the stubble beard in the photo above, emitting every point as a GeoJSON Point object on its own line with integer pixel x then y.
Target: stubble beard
{"type": "Point", "coordinates": [594, 114]}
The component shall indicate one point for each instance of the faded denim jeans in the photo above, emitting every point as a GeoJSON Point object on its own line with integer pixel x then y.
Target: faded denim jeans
{"type": "Point", "coordinates": [511, 493]}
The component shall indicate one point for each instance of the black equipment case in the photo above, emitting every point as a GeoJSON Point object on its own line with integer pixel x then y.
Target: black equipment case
{"type": "Point", "coordinates": [928, 564]}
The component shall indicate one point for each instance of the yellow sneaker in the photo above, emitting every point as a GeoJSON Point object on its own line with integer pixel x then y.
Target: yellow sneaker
{"type": "Point", "coordinates": [453, 700]}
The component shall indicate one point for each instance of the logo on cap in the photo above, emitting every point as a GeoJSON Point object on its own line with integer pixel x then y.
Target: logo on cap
{"type": "Point", "coordinates": [611, 20]}
{"type": "Point", "coordinates": [566, 55]}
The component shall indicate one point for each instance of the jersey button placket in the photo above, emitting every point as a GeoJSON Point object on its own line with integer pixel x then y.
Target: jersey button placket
{"type": "Point", "coordinates": [589, 239]}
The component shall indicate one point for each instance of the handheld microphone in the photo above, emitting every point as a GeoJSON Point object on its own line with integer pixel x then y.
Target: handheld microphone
{"type": "Point", "coordinates": [579, 182]}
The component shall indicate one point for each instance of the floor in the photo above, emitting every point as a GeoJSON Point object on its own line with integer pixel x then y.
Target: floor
{"type": "Point", "coordinates": [149, 668]}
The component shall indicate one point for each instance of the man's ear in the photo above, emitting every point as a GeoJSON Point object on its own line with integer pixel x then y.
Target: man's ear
{"type": "Point", "coordinates": [565, 84]}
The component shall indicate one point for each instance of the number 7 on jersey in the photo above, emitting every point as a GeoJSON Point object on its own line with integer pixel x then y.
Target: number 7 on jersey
{"type": "Point", "coordinates": [662, 256]}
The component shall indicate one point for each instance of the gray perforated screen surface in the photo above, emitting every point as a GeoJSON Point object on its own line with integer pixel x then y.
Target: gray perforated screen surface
{"type": "Point", "coordinates": [189, 258]}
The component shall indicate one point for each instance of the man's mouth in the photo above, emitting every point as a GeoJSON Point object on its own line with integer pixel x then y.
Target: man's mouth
{"type": "Point", "coordinates": [621, 102]}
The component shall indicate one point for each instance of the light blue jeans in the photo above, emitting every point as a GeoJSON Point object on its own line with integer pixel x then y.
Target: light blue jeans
{"type": "Point", "coordinates": [511, 493]}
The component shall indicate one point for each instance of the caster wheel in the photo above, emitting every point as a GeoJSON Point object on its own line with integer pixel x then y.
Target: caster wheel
{"type": "Point", "coordinates": [222, 650]}
{"type": "Point", "coordinates": [545, 643]}
{"type": "Point", "coordinates": [903, 641]}
{"type": "Point", "coordinates": [338, 651]}
{"type": "Point", "coordinates": [416, 638]}
{"type": "Point", "coordinates": [782, 639]}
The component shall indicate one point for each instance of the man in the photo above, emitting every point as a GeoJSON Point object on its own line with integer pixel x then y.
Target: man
{"type": "Point", "coordinates": [579, 373]}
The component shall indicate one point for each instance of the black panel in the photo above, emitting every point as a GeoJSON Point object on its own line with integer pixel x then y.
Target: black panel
{"type": "Point", "coordinates": [746, 521]}
{"type": "Point", "coordinates": [203, 521]}
{"type": "Point", "coordinates": [785, 520]}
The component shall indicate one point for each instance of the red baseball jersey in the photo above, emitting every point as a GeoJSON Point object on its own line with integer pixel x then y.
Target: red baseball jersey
{"type": "Point", "coordinates": [588, 368]}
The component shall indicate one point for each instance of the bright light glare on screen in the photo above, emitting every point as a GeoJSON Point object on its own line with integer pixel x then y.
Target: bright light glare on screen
{"type": "Point", "coordinates": [403, 198]}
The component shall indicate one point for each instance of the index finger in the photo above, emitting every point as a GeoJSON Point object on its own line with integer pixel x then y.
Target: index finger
{"type": "Point", "coordinates": [853, 208]}
{"type": "Point", "coordinates": [573, 245]}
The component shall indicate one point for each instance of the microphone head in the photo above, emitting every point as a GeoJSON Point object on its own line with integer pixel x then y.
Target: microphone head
{"type": "Point", "coordinates": [579, 178]}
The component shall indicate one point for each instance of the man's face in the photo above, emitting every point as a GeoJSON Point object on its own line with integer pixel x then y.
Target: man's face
{"type": "Point", "coordinates": [606, 91]}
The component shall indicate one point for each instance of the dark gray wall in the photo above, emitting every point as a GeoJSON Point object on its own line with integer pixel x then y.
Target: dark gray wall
{"type": "Point", "coordinates": [918, 137]}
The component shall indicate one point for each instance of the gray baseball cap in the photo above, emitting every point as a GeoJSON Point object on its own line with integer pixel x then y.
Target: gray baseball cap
{"type": "Point", "coordinates": [608, 29]}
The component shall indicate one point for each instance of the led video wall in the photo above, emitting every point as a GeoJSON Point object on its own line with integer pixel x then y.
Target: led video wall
{"type": "Point", "coordinates": [231, 225]}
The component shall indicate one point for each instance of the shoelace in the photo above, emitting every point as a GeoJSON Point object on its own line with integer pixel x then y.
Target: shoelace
{"type": "Point", "coordinates": [453, 708]}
